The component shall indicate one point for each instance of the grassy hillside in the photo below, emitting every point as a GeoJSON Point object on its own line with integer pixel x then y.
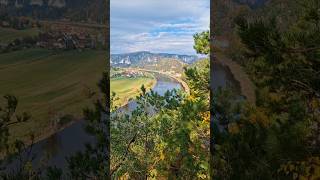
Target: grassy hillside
{"type": "Point", "coordinates": [9, 34]}
{"type": "Point", "coordinates": [49, 84]}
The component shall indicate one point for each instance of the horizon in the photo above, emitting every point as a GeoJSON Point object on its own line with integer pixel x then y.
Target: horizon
{"type": "Point", "coordinates": [166, 26]}
{"type": "Point", "coordinates": [198, 55]}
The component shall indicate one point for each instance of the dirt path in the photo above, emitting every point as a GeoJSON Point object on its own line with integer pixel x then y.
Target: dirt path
{"type": "Point", "coordinates": [246, 85]}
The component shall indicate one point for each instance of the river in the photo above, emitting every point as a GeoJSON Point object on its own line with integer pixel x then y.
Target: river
{"type": "Point", "coordinates": [54, 150]}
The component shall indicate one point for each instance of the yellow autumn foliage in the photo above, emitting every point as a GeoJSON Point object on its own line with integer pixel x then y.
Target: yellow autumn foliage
{"type": "Point", "coordinates": [301, 170]}
{"type": "Point", "coordinates": [205, 116]}
{"type": "Point", "coordinates": [233, 128]}
{"type": "Point", "coordinates": [315, 103]}
{"type": "Point", "coordinates": [259, 116]}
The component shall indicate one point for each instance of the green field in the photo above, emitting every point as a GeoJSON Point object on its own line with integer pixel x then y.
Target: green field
{"type": "Point", "coordinates": [49, 84]}
{"type": "Point", "coordinates": [9, 34]}
{"type": "Point", "coordinates": [127, 88]}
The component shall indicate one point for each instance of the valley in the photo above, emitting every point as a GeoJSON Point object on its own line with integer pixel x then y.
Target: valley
{"type": "Point", "coordinates": [130, 71]}
{"type": "Point", "coordinates": [57, 85]}
{"type": "Point", "coordinates": [55, 56]}
{"type": "Point", "coordinates": [53, 86]}
{"type": "Point", "coordinates": [52, 59]}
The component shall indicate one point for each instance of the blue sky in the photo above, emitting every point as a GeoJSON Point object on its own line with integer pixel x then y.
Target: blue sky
{"type": "Point", "coordinates": [157, 25]}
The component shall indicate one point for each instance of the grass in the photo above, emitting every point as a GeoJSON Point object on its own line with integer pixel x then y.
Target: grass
{"type": "Point", "coordinates": [49, 84]}
{"type": "Point", "coordinates": [9, 34]}
{"type": "Point", "coordinates": [127, 88]}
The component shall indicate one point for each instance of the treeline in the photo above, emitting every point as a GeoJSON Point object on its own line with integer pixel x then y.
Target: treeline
{"type": "Point", "coordinates": [74, 10]}
{"type": "Point", "coordinates": [18, 23]}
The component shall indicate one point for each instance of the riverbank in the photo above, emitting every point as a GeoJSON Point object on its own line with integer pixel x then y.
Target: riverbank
{"type": "Point", "coordinates": [70, 140]}
{"type": "Point", "coordinates": [179, 80]}
{"type": "Point", "coordinates": [48, 84]}
{"type": "Point", "coordinates": [128, 88]}
{"type": "Point", "coordinates": [50, 131]}
{"type": "Point", "coordinates": [247, 88]}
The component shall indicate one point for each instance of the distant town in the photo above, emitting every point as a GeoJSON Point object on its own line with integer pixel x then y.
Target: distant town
{"type": "Point", "coordinates": [51, 34]}
{"type": "Point", "coordinates": [128, 73]}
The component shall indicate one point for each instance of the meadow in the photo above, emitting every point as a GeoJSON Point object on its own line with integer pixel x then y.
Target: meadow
{"type": "Point", "coordinates": [129, 88]}
{"type": "Point", "coordinates": [49, 84]}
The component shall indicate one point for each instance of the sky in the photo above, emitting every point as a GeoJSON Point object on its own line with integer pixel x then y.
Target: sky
{"type": "Point", "coordinates": [157, 26]}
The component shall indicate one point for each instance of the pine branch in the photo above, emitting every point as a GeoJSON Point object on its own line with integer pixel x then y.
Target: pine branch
{"type": "Point", "coordinates": [125, 155]}
{"type": "Point", "coordinates": [302, 50]}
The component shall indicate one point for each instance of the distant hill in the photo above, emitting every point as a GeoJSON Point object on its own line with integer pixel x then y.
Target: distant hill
{"type": "Point", "coordinates": [145, 58]}
{"type": "Point", "coordinates": [75, 10]}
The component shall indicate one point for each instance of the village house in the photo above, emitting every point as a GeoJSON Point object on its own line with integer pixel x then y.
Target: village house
{"type": "Point", "coordinates": [65, 40]}
{"type": "Point", "coordinates": [129, 74]}
{"type": "Point", "coordinates": [5, 24]}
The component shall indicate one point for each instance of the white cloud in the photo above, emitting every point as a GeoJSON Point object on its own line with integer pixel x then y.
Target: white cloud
{"type": "Point", "coordinates": [157, 25]}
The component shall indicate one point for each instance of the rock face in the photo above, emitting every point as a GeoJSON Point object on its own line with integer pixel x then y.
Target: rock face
{"type": "Point", "coordinates": [147, 57]}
